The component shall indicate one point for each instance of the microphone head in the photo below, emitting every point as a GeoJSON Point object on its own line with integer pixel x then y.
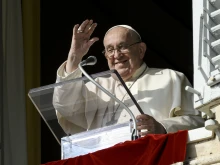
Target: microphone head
{"type": "Point", "coordinates": [91, 60]}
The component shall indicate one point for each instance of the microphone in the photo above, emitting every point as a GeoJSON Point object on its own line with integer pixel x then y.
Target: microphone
{"type": "Point", "coordinates": [91, 60]}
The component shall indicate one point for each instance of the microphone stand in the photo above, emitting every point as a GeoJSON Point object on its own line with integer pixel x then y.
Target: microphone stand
{"type": "Point", "coordinates": [91, 60]}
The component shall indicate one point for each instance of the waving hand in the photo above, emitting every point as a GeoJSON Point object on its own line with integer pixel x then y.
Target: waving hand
{"type": "Point", "coordinates": [81, 42]}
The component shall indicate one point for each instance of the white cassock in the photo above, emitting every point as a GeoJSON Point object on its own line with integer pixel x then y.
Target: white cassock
{"type": "Point", "coordinates": [159, 92]}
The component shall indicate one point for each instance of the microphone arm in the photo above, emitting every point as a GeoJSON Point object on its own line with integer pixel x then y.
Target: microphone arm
{"type": "Point", "coordinates": [91, 60]}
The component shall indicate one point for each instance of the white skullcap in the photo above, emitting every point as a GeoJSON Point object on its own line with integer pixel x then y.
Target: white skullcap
{"type": "Point", "coordinates": [125, 26]}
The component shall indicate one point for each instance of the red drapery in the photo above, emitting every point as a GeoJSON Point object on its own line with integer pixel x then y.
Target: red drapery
{"type": "Point", "coordinates": [154, 149]}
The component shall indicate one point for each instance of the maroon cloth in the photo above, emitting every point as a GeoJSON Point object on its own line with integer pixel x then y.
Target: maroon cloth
{"type": "Point", "coordinates": [153, 149]}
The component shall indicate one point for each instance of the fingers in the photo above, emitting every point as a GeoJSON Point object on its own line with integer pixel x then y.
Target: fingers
{"type": "Point", "coordinates": [87, 27]}
{"type": "Point", "coordinates": [84, 31]}
{"type": "Point", "coordinates": [148, 125]}
{"type": "Point", "coordinates": [91, 29]}
{"type": "Point", "coordinates": [145, 124]}
{"type": "Point", "coordinates": [91, 41]}
{"type": "Point", "coordinates": [75, 29]}
{"type": "Point", "coordinates": [143, 117]}
{"type": "Point", "coordinates": [144, 132]}
{"type": "Point", "coordinates": [83, 26]}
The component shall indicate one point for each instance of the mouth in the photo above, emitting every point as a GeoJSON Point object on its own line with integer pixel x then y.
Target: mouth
{"type": "Point", "coordinates": [121, 62]}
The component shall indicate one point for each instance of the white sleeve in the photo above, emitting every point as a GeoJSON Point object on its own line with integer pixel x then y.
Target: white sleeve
{"type": "Point", "coordinates": [183, 116]}
{"type": "Point", "coordinates": [70, 101]}
{"type": "Point", "coordinates": [62, 75]}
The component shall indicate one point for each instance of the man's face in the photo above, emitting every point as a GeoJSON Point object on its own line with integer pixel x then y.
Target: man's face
{"type": "Point", "coordinates": [125, 62]}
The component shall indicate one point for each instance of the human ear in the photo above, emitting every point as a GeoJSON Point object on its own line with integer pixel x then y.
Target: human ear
{"type": "Point", "coordinates": [142, 49]}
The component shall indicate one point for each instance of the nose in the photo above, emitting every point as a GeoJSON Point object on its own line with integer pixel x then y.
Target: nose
{"type": "Point", "coordinates": [117, 54]}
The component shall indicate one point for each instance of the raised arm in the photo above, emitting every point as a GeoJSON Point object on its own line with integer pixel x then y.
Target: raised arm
{"type": "Point", "coordinates": [81, 42]}
{"type": "Point", "coordinates": [69, 100]}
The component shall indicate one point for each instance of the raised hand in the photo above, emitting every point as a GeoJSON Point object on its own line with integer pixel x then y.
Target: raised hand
{"type": "Point", "coordinates": [81, 42]}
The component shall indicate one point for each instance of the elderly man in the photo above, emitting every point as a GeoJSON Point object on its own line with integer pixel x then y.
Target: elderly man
{"type": "Point", "coordinates": [160, 93]}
